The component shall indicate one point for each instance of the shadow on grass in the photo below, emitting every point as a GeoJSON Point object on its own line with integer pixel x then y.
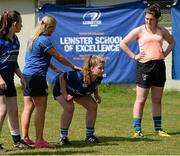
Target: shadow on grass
{"type": "Point", "coordinates": [106, 141]}
{"type": "Point", "coordinates": [52, 152]}
{"type": "Point", "coordinates": [174, 133]}
{"type": "Point", "coordinates": [76, 146]}
{"type": "Point", "coordinates": [170, 133]}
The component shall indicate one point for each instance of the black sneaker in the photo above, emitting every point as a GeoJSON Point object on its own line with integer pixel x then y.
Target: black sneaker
{"type": "Point", "coordinates": [21, 145]}
{"type": "Point", "coordinates": [64, 141]}
{"type": "Point", "coordinates": [92, 139]}
{"type": "Point", "coordinates": [2, 149]}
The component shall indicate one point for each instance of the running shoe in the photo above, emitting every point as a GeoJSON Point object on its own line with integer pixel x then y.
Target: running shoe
{"type": "Point", "coordinates": [92, 139]}
{"type": "Point", "coordinates": [43, 144]}
{"type": "Point", "coordinates": [162, 133]}
{"type": "Point", "coordinates": [64, 141]}
{"type": "Point", "coordinates": [21, 145]}
{"type": "Point", "coordinates": [138, 134]}
{"type": "Point", "coordinates": [29, 141]}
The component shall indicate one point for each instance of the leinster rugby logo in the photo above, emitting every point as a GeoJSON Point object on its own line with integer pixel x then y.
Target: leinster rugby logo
{"type": "Point", "coordinates": [144, 77]}
{"type": "Point", "coordinates": [92, 18]}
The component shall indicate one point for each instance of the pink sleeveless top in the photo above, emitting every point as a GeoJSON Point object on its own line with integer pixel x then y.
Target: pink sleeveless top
{"type": "Point", "coordinates": [151, 45]}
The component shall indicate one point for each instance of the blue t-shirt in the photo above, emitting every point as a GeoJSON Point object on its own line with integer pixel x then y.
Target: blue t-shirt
{"type": "Point", "coordinates": [38, 59]}
{"type": "Point", "coordinates": [76, 86]}
{"type": "Point", "coordinates": [9, 51]}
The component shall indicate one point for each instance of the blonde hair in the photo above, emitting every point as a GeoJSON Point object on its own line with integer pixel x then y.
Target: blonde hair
{"type": "Point", "coordinates": [92, 61]}
{"type": "Point", "coordinates": [41, 28]}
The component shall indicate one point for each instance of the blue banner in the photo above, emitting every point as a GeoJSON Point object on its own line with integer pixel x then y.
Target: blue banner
{"type": "Point", "coordinates": [82, 31]}
{"type": "Point", "coordinates": [175, 12]}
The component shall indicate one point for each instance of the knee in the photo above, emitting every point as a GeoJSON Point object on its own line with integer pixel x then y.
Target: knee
{"type": "Point", "coordinates": [69, 109]}
{"type": "Point", "coordinates": [3, 113]}
{"type": "Point", "coordinates": [28, 110]}
{"type": "Point", "coordinates": [140, 101]}
{"type": "Point", "coordinates": [13, 113]}
{"type": "Point", "coordinates": [156, 101]}
{"type": "Point", "coordinates": [93, 107]}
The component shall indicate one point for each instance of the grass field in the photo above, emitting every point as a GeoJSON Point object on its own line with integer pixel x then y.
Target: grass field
{"type": "Point", "coordinates": [113, 127]}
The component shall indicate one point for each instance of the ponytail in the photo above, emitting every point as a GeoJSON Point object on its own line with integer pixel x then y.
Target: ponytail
{"type": "Point", "coordinates": [92, 61]}
{"type": "Point", "coordinates": [86, 70]}
{"type": "Point", "coordinates": [41, 28]}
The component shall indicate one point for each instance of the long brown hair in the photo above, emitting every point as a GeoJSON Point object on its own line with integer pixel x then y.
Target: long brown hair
{"type": "Point", "coordinates": [41, 28]}
{"type": "Point", "coordinates": [91, 61]}
{"type": "Point", "coordinates": [6, 20]}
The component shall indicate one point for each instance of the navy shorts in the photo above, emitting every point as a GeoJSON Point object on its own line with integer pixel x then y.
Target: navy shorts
{"type": "Point", "coordinates": [151, 73]}
{"type": "Point", "coordinates": [11, 89]}
{"type": "Point", "coordinates": [36, 86]}
{"type": "Point", "coordinates": [56, 88]}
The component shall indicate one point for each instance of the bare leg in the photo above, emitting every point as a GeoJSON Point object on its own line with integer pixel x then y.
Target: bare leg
{"type": "Point", "coordinates": [12, 110]}
{"type": "Point", "coordinates": [91, 113]}
{"type": "Point", "coordinates": [141, 96]}
{"type": "Point", "coordinates": [156, 100]}
{"type": "Point", "coordinates": [156, 109]}
{"type": "Point", "coordinates": [3, 111]}
{"type": "Point", "coordinates": [67, 114]}
{"type": "Point", "coordinates": [26, 116]}
{"type": "Point", "coordinates": [91, 106]}
{"type": "Point", "coordinates": [13, 122]}
{"type": "Point", "coordinates": [40, 103]}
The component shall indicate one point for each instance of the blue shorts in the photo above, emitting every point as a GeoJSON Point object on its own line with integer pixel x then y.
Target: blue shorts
{"type": "Point", "coordinates": [11, 89]}
{"type": "Point", "coordinates": [36, 86]}
{"type": "Point", "coordinates": [57, 89]}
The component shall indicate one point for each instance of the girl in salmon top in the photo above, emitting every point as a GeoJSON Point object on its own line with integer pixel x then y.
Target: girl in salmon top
{"type": "Point", "coordinates": [151, 70]}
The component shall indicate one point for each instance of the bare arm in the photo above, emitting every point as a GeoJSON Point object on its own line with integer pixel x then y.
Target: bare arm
{"type": "Point", "coordinates": [2, 83]}
{"type": "Point", "coordinates": [61, 59]}
{"type": "Point", "coordinates": [133, 35]}
{"type": "Point", "coordinates": [19, 73]}
{"type": "Point", "coordinates": [54, 68]}
{"type": "Point", "coordinates": [22, 80]}
{"type": "Point", "coordinates": [97, 96]}
{"type": "Point", "coordinates": [168, 37]}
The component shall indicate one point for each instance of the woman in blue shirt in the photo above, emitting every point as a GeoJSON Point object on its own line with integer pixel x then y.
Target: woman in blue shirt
{"type": "Point", "coordinates": [38, 56]}
{"type": "Point", "coordinates": [78, 86]}
{"type": "Point", "coordinates": [10, 24]}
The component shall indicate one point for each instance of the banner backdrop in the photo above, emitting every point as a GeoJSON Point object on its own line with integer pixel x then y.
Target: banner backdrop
{"type": "Point", "coordinates": [82, 31]}
{"type": "Point", "coordinates": [175, 12]}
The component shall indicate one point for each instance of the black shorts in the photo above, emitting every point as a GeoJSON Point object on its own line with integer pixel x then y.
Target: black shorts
{"type": "Point", "coordinates": [152, 73]}
{"type": "Point", "coordinates": [56, 88]}
{"type": "Point", "coordinates": [11, 89]}
{"type": "Point", "coordinates": [36, 86]}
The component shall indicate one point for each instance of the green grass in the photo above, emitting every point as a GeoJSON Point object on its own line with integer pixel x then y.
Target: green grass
{"type": "Point", "coordinates": [113, 127]}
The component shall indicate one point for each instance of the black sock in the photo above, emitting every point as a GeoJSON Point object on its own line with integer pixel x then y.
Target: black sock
{"type": "Point", "coordinates": [16, 138]}
{"type": "Point", "coordinates": [89, 132]}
